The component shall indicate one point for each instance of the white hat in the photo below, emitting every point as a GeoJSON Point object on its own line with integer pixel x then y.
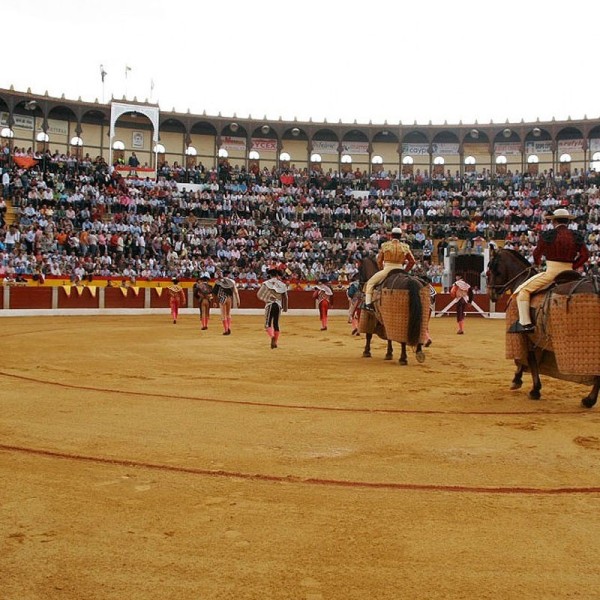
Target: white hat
{"type": "Point", "coordinates": [397, 230]}
{"type": "Point", "coordinates": [560, 213]}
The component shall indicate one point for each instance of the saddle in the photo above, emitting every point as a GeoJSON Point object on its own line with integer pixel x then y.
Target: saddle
{"type": "Point", "coordinates": [539, 307]}
{"type": "Point", "coordinates": [564, 277]}
{"type": "Point", "coordinates": [392, 273]}
{"type": "Point", "coordinates": [377, 290]}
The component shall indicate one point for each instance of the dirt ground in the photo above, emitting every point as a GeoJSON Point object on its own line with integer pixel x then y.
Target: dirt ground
{"type": "Point", "coordinates": [145, 460]}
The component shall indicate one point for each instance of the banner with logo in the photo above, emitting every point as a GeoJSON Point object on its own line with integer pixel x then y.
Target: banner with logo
{"type": "Point", "coordinates": [538, 147]}
{"type": "Point", "coordinates": [322, 147]}
{"type": "Point", "coordinates": [475, 149]}
{"type": "Point", "coordinates": [355, 148]}
{"type": "Point", "coordinates": [233, 143]}
{"type": "Point", "coordinates": [444, 149]}
{"type": "Point", "coordinates": [507, 148]}
{"type": "Point", "coordinates": [21, 121]}
{"type": "Point", "coordinates": [264, 145]}
{"type": "Point", "coordinates": [570, 146]}
{"type": "Point", "coordinates": [57, 127]}
{"type": "Point", "coordinates": [415, 149]}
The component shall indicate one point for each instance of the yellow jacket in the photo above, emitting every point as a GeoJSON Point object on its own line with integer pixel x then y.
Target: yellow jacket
{"type": "Point", "coordinates": [392, 251]}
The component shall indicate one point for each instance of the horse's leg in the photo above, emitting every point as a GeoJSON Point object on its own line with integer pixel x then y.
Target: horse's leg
{"type": "Point", "coordinates": [535, 393]}
{"type": "Point", "coordinates": [403, 360]}
{"type": "Point", "coordinates": [591, 398]}
{"type": "Point", "coordinates": [420, 355]}
{"type": "Point", "coordinates": [390, 351]}
{"type": "Point", "coordinates": [517, 380]}
{"type": "Point", "coordinates": [367, 350]}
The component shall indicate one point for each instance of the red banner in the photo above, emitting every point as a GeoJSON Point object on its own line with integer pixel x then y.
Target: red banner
{"type": "Point", "coordinates": [25, 162]}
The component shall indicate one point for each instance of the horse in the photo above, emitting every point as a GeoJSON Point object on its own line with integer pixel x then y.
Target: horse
{"type": "Point", "coordinates": [375, 322]}
{"type": "Point", "coordinates": [537, 351]}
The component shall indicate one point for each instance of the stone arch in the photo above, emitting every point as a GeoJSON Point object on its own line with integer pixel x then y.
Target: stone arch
{"type": "Point", "coordinates": [120, 108]}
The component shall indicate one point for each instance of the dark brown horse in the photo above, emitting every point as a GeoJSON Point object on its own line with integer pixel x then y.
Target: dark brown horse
{"type": "Point", "coordinates": [507, 269]}
{"type": "Point", "coordinates": [374, 323]}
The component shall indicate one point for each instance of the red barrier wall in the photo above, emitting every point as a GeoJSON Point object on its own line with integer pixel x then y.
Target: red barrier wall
{"type": "Point", "coordinates": [29, 298]}
{"type": "Point", "coordinates": [114, 298]}
{"type": "Point", "coordinates": [41, 298]}
{"type": "Point", "coordinates": [161, 301]}
{"type": "Point", "coordinates": [74, 300]}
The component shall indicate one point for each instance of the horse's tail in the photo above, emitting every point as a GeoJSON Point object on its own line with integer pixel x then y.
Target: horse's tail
{"type": "Point", "coordinates": [415, 312]}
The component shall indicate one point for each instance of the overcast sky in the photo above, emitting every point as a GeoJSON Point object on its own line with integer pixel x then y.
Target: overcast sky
{"type": "Point", "coordinates": [395, 61]}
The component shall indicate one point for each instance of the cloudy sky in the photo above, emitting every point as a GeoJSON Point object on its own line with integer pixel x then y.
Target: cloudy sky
{"type": "Point", "coordinates": [461, 60]}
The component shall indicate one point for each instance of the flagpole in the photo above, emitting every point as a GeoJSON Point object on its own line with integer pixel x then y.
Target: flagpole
{"type": "Point", "coordinates": [127, 69]}
{"type": "Point", "coordinates": [103, 74]}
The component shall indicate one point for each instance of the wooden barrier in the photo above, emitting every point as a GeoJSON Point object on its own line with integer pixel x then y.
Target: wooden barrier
{"type": "Point", "coordinates": [87, 297]}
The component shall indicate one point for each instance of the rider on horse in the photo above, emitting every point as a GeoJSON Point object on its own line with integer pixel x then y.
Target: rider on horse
{"type": "Point", "coordinates": [393, 254]}
{"type": "Point", "coordinates": [564, 250]}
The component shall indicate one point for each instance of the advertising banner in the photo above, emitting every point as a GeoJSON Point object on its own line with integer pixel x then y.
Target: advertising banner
{"type": "Point", "coordinates": [538, 147]}
{"type": "Point", "coordinates": [355, 148]}
{"type": "Point", "coordinates": [415, 149]}
{"type": "Point", "coordinates": [233, 143]}
{"type": "Point", "coordinates": [322, 147]}
{"type": "Point", "coordinates": [264, 145]}
{"type": "Point", "coordinates": [444, 148]}
{"type": "Point", "coordinates": [507, 148]}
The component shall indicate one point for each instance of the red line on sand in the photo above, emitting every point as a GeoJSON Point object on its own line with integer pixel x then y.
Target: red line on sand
{"type": "Point", "coordinates": [304, 480]}
{"type": "Point", "coordinates": [296, 406]}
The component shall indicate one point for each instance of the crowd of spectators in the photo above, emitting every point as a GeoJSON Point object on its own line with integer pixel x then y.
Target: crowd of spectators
{"type": "Point", "coordinates": [79, 218]}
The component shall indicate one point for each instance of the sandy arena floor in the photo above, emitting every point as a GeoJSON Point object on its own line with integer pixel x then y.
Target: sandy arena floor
{"type": "Point", "coordinates": [145, 460]}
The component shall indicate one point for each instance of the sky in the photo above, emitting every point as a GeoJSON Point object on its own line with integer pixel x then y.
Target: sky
{"type": "Point", "coordinates": [453, 61]}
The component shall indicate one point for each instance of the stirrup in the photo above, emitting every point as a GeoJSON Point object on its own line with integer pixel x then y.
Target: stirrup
{"type": "Point", "coordinates": [516, 327]}
{"type": "Point", "coordinates": [368, 307]}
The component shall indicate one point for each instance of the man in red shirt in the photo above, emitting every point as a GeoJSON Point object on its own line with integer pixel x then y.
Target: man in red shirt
{"type": "Point", "coordinates": [564, 250]}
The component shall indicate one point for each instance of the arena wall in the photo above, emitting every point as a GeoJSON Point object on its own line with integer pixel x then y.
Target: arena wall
{"type": "Point", "coordinates": [62, 296]}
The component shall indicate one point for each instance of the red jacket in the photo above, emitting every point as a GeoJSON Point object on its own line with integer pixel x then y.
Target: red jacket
{"type": "Point", "coordinates": [561, 245]}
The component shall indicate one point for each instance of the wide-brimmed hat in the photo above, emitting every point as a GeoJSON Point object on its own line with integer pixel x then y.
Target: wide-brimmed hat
{"type": "Point", "coordinates": [560, 213]}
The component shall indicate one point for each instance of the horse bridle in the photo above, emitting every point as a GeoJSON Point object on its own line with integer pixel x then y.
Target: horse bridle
{"type": "Point", "coordinates": [529, 271]}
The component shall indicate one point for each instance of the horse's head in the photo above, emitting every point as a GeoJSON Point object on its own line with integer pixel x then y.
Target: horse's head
{"type": "Point", "coordinates": [367, 266]}
{"type": "Point", "coordinates": [496, 275]}
{"type": "Point", "coordinates": [506, 270]}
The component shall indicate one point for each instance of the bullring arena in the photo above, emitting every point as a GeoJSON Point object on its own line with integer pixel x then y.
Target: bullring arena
{"type": "Point", "coordinates": [142, 459]}
{"type": "Point", "coordinates": [148, 460]}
